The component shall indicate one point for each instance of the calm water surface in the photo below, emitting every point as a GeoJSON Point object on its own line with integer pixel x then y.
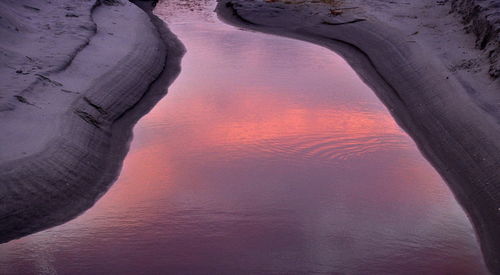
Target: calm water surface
{"type": "Point", "coordinates": [269, 155]}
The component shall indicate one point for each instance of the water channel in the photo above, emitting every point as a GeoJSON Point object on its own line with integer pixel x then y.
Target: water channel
{"type": "Point", "coordinates": [268, 155]}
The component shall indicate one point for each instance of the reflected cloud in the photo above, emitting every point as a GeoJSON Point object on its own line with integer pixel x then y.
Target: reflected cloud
{"type": "Point", "coordinates": [268, 155]}
{"type": "Point", "coordinates": [257, 119]}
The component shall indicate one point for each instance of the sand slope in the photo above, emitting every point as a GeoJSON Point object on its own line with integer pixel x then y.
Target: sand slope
{"type": "Point", "coordinates": [70, 71]}
{"type": "Point", "coordinates": [415, 56]}
{"type": "Point", "coordinates": [482, 18]}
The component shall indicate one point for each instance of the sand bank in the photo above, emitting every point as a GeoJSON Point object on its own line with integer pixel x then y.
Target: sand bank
{"type": "Point", "coordinates": [75, 76]}
{"type": "Point", "coordinates": [428, 72]}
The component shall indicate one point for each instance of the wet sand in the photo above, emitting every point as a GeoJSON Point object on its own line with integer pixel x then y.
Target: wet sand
{"type": "Point", "coordinates": [446, 112]}
{"type": "Point", "coordinates": [256, 162]}
{"type": "Point", "coordinates": [79, 117]}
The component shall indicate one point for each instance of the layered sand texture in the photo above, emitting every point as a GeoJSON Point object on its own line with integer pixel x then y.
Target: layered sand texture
{"type": "Point", "coordinates": [426, 69]}
{"type": "Point", "coordinates": [75, 77]}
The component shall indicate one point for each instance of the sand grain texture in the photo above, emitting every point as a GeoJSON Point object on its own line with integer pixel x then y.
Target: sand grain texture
{"type": "Point", "coordinates": [66, 125]}
{"type": "Point", "coordinates": [406, 53]}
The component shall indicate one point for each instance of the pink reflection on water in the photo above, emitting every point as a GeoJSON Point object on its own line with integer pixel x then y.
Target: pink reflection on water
{"type": "Point", "coordinates": [258, 162]}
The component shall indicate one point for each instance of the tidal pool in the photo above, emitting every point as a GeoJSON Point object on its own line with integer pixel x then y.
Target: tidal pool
{"type": "Point", "coordinates": [268, 156]}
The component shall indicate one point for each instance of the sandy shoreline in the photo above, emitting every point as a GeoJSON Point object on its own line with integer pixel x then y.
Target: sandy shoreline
{"type": "Point", "coordinates": [67, 119]}
{"type": "Point", "coordinates": [447, 107]}
{"type": "Point", "coordinates": [80, 152]}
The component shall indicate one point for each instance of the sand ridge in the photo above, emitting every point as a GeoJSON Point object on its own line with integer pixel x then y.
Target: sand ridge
{"type": "Point", "coordinates": [400, 49]}
{"type": "Point", "coordinates": [61, 146]}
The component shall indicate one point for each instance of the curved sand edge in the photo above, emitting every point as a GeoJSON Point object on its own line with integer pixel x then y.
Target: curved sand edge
{"type": "Point", "coordinates": [455, 133]}
{"type": "Point", "coordinates": [84, 155]}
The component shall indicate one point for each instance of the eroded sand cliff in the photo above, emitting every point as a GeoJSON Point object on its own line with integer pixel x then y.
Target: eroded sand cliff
{"type": "Point", "coordinates": [426, 69]}
{"type": "Point", "coordinates": [70, 72]}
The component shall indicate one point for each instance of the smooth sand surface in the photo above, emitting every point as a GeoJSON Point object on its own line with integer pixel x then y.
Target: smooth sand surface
{"type": "Point", "coordinates": [66, 119]}
{"type": "Point", "coordinates": [411, 55]}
